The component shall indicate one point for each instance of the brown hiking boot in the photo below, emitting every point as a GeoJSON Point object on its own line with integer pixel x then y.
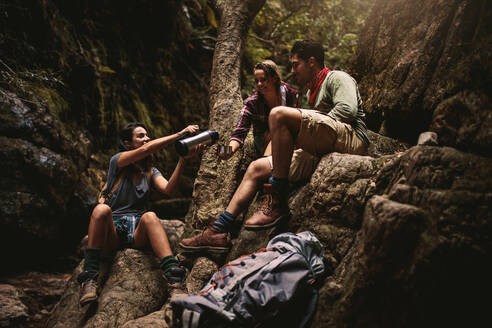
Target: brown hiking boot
{"type": "Point", "coordinates": [89, 292]}
{"type": "Point", "coordinates": [272, 210]}
{"type": "Point", "coordinates": [209, 240]}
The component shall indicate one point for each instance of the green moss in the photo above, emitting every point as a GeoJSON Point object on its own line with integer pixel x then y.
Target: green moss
{"type": "Point", "coordinates": [142, 110]}
{"type": "Point", "coordinates": [56, 104]}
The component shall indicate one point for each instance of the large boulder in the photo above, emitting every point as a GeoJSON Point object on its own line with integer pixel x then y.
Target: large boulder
{"type": "Point", "coordinates": [421, 255]}
{"type": "Point", "coordinates": [41, 161]}
{"type": "Point", "coordinates": [426, 65]}
{"type": "Point", "coordinates": [407, 237]}
{"type": "Point", "coordinates": [331, 203]}
{"type": "Point", "coordinates": [131, 286]}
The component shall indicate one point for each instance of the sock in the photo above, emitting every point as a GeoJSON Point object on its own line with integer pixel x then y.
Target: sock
{"type": "Point", "coordinates": [173, 272]}
{"type": "Point", "coordinates": [91, 264]}
{"type": "Point", "coordinates": [223, 222]}
{"type": "Point", "coordinates": [167, 263]}
{"type": "Point", "coordinates": [279, 184]}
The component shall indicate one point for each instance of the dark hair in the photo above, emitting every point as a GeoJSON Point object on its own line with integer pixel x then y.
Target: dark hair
{"type": "Point", "coordinates": [126, 134]}
{"type": "Point", "coordinates": [309, 48]}
{"type": "Point", "coordinates": [270, 69]}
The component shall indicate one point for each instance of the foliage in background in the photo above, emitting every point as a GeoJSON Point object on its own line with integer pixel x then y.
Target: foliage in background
{"type": "Point", "coordinates": [334, 23]}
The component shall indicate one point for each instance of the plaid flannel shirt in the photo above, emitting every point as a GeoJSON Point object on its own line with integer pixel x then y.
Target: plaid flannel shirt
{"type": "Point", "coordinates": [255, 111]}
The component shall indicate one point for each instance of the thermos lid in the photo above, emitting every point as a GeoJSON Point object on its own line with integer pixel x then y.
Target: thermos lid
{"type": "Point", "coordinates": [215, 135]}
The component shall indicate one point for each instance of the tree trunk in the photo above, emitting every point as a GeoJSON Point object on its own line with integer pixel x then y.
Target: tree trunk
{"type": "Point", "coordinates": [217, 180]}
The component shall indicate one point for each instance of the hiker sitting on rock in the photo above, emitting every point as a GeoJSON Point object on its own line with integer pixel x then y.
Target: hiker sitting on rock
{"type": "Point", "coordinates": [121, 218]}
{"type": "Point", "coordinates": [270, 92]}
{"type": "Point", "coordinates": [299, 138]}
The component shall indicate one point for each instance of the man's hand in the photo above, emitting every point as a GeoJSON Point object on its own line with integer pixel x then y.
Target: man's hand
{"type": "Point", "coordinates": [192, 129]}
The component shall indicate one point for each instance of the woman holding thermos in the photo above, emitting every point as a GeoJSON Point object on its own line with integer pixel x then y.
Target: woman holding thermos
{"type": "Point", "coordinates": [121, 219]}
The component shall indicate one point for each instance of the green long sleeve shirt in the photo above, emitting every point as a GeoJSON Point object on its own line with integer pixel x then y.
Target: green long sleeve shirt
{"type": "Point", "coordinates": [339, 97]}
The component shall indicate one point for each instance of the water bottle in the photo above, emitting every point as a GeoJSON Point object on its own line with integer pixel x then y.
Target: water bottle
{"type": "Point", "coordinates": [186, 143]}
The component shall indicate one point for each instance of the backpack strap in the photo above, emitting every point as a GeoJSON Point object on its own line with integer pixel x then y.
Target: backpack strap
{"type": "Point", "coordinates": [190, 319]}
{"type": "Point", "coordinates": [105, 196]}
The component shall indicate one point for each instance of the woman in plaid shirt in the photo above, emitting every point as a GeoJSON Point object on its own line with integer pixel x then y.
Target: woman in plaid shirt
{"type": "Point", "coordinates": [270, 92]}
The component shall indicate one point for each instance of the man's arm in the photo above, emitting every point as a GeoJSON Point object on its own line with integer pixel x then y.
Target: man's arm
{"type": "Point", "coordinates": [343, 90]}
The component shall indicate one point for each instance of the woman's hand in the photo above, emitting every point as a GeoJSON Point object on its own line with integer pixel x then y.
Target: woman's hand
{"type": "Point", "coordinates": [195, 152]}
{"type": "Point", "coordinates": [192, 129]}
{"type": "Point", "coordinates": [234, 146]}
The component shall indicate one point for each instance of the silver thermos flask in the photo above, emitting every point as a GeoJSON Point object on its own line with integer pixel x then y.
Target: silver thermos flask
{"type": "Point", "coordinates": [186, 143]}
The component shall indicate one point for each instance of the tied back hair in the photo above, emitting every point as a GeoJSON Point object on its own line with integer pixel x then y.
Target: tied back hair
{"type": "Point", "coordinates": [126, 134]}
{"type": "Point", "coordinates": [271, 70]}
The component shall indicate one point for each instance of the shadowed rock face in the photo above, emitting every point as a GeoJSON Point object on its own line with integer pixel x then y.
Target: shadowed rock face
{"type": "Point", "coordinates": [36, 293]}
{"type": "Point", "coordinates": [72, 74]}
{"type": "Point", "coordinates": [406, 237]}
{"type": "Point", "coordinates": [420, 257]}
{"type": "Point", "coordinates": [426, 65]}
{"type": "Point", "coordinates": [41, 161]}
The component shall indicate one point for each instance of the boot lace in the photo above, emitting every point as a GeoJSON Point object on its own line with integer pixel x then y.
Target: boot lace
{"type": "Point", "coordinates": [267, 205]}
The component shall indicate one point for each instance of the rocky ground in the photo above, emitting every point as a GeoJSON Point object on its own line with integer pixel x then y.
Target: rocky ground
{"type": "Point", "coordinates": [27, 299]}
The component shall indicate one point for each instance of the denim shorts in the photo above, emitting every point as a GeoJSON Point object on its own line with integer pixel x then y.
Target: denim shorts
{"type": "Point", "coordinates": [125, 228]}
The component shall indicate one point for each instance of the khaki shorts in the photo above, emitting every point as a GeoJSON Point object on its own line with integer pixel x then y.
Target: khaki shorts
{"type": "Point", "coordinates": [302, 166]}
{"type": "Point", "coordinates": [319, 135]}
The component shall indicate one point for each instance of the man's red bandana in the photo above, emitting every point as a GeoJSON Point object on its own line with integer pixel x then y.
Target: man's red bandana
{"type": "Point", "coordinates": [315, 83]}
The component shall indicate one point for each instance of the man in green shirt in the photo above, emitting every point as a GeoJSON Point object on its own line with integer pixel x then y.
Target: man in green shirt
{"type": "Point", "coordinates": [300, 137]}
{"type": "Point", "coordinates": [334, 124]}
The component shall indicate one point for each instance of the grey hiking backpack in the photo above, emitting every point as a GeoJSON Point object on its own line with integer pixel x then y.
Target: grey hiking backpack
{"type": "Point", "coordinates": [273, 287]}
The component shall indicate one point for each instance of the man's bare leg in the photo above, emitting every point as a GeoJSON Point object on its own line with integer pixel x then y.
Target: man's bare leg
{"type": "Point", "coordinates": [257, 173]}
{"type": "Point", "coordinates": [284, 123]}
{"type": "Point", "coordinates": [214, 238]}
